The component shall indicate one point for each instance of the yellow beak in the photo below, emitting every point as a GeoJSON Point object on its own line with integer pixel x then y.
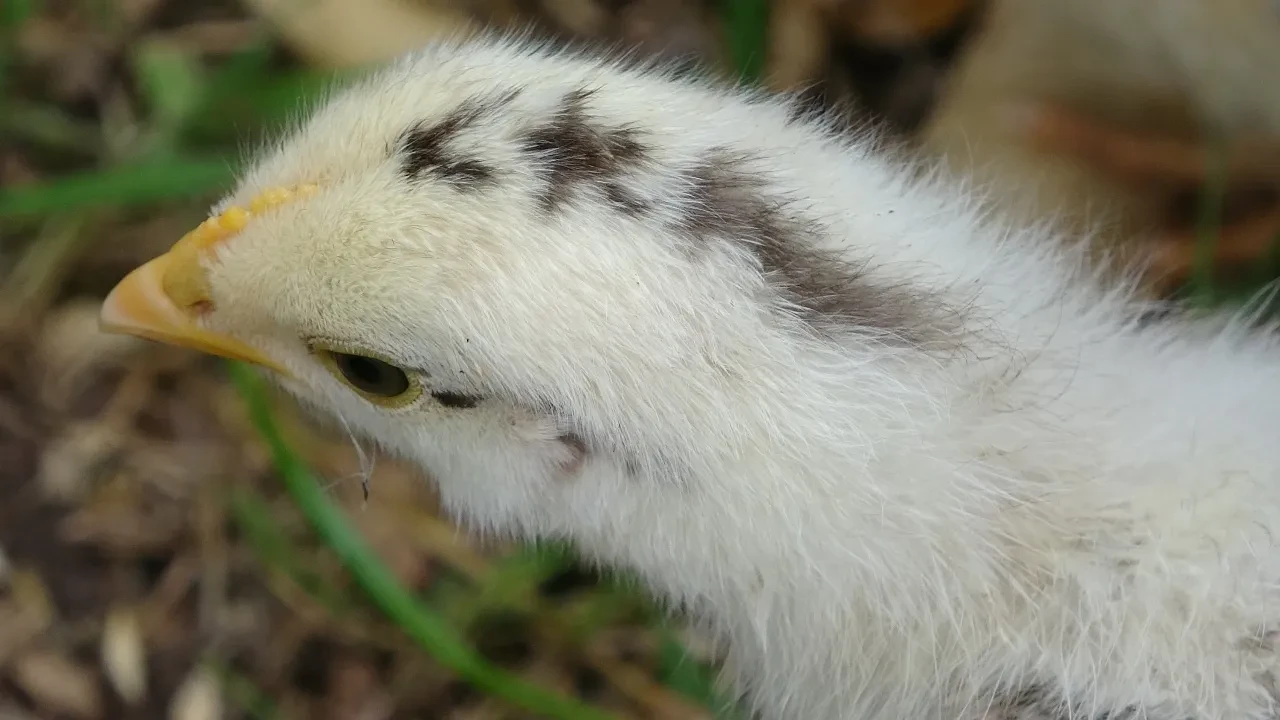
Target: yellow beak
{"type": "Point", "coordinates": [139, 306]}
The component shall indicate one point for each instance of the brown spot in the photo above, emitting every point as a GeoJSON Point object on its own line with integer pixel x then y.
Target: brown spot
{"type": "Point", "coordinates": [632, 466]}
{"type": "Point", "coordinates": [1038, 702]}
{"type": "Point", "coordinates": [427, 149]}
{"type": "Point", "coordinates": [623, 200]}
{"type": "Point", "coordinates": [1155, 315]}
{"type": "Point", "coordinates": [571, 151]}
{"type": "Point", "coordinates": [727, 202]}
{"type": "Point", "coordinates": [578, 448]}
{"type": "Point", "coordinates": [574, 441]}
{"type": "Point", "coordinates": [455, 400]}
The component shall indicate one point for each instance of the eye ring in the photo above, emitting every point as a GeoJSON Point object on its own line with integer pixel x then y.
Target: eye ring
{"type": "Point", "coordinates": [375, 379]}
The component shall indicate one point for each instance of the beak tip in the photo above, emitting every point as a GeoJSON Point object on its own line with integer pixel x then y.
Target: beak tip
{"type": "Point", "coordinates": [110, 319]}
{"type": "Point", "coordinates": [117, 317]}
{"type": "Point", "coordinates": [139, 307]}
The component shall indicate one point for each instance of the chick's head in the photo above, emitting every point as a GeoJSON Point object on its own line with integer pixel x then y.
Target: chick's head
{"type": "Point", "coordinates": [429, 259]}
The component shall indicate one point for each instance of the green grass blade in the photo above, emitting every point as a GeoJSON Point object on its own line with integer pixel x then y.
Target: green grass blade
{"type": "Point", "coordinates": [419, 622]}
{"type": "Point", "coordinates": [172, 83]}
{"type": "Point", "coordinates": [15, 12]}
{"type": "Point", "coordinates": [684, 674]}
{"type": "Point", "coordinates": [130, 185]}
{"type": "Point", "coordinates": [747, 24]}
{"type": "Point", "coordinates": [1208, 225]}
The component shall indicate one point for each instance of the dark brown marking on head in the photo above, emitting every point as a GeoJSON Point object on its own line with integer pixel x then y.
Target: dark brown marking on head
{"type": "Point", "coordinates": [455, 400]}
{"type": "Point", "coordinates": [572, 151]}
{"type": "Point", "coordinates": [623, 199]}
{"type": "Point", "coordinates": [727, 202]}
{"type": "Point", "coordinates": [1038, 702]}
{"type": "Point", "coordinates": [575, 441]}
{"type": "Point", "coordinates": [427, 148]}
{"type": "Point", "coordinates": [578, 452]}
{"type": "Point", "coordinates": [1155, 315]}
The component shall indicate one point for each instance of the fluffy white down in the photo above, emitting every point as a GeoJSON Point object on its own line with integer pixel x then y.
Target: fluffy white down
{"type": "Point", "coordinates": [1053, 498]}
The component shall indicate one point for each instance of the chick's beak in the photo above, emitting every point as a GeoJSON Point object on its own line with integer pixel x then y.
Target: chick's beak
{"type": "Point", "coordinates": [139, 306]}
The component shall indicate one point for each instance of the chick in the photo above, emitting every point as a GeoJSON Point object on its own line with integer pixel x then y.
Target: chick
{"type": "Point", "coordinates": [906, 458]}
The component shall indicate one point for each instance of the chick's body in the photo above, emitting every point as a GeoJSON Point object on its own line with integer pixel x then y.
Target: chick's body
{"type": "Point", "coordinates": [907, 460]}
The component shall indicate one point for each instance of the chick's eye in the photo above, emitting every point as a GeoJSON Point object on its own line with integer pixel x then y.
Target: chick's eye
{"type": "Point", "coordinates": [371, 376]}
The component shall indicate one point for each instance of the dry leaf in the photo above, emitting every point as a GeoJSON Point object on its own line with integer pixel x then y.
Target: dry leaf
{"type": "Point", "coordinates": [339, 33]}
{"type": "Point", "coordinates": [57, 684]}
{"type": "Point", "coordinates": [1173, 255]}
{"type": "Point", "coordinates": [1165, 171]}
{"type": "Point", "coordinates": [1139, 154]}
{"type": "Point", "coordinates": [74, 462]}
{"type": "Point", "coordinates": [10, 711]}
{"type": "Point", "coordinates": [355, 692]}
{"type": "Point", "coordinates": [31, 595]}
{"type": "Point", "coordinates": [198, 698]}
{"type": "Point", "coordinates": [891, 22]}
{"type": "Point", "coordinates": [17, 630]}
{"type": "Point", "coordinates": [71, 347]}
{"type": "Point", "coordinates": [124, 657]}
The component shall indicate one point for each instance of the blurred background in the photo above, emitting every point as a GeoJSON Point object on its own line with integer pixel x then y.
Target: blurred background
{"type": "Point", "coordinates": [161, 553]}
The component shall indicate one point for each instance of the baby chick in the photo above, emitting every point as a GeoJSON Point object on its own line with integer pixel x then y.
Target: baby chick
{"type": "Point", "coordinates": [907, 459]}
